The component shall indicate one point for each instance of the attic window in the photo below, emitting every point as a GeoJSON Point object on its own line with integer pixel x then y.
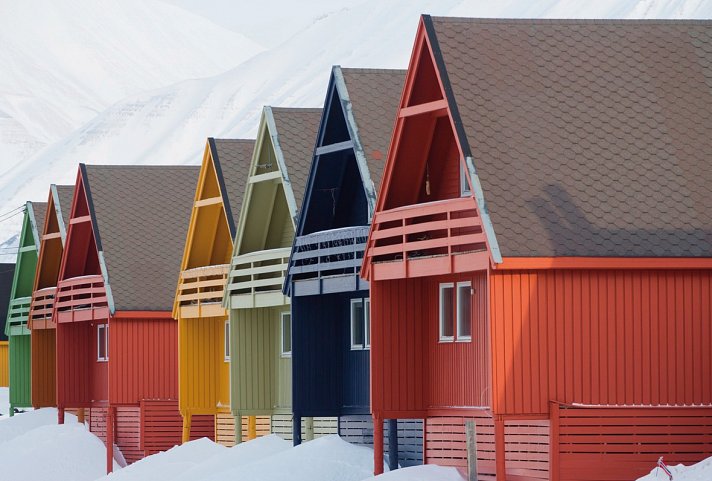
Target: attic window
{"type": "Point", "coordinates": [102, 342]}
{"type": "Point", "coordinates": [286, 323]}
{"type": "Point", "coordinates": [465, 190]}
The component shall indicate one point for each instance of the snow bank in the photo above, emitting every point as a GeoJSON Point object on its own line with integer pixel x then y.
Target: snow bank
{"type": "Point", "coordinates": [168, 465]}
{"type": "Point", "coordinates": [65, 452]}
{"type": "Point", "coordinates": [4, 402]}
{"type": "Point", "coordinates": [22, 423]}
{"type": "Point", "coordinates": [701, 471]}
{"type": "Point", "coordinates": [428, 472]}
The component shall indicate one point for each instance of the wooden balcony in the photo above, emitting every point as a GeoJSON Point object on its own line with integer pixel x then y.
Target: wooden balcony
{"type": "Point", "coordinates": [436, 238]}
{"type": "Point", "coordinates": [256, 279]}
{"type": "Point", "coordinates": [81, 299]}
{"type": "Point", "coordinates": [328, 261]}
{"type": "Point", "coordinates": [17, 314]}
{"type": "Point", "coordinates": [200, 291]}
{"type": "Point", "coordinates": [41, 308]}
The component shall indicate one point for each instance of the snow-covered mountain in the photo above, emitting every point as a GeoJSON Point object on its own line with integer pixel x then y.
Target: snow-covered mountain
{"type": "Point", "coordinates": [137, 87]}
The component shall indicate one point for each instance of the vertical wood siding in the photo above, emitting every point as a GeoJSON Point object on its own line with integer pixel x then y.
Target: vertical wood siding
{"type": "Point", "coordinates": [606, 337]}
{"type": "Point", "coordinates": [4, 364]}
{"type": "Point", "coordinates": [143, 362]}
{"type": "Point", "coordinates": [74, 348]}
{"type": "Point", "coordinates": [99, 370]}
{"type": "Point", "coordinates": [43, 368]}
{"type": "Point", "coordinates": [20, 376]}
{"type": "Point", "coordinates": [203, 372]}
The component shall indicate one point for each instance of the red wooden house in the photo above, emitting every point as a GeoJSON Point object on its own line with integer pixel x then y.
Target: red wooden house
{"type": "Point", "coordinates": [116, 340]}
{"type": "Point", "coordinates": [540, 259]}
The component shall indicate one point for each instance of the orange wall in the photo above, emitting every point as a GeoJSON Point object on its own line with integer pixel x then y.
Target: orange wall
{"type": "Point", "coordinates": [43, 368]}
{"type": "Point", "coordinates": [143, 359]}
{"type": "Point", "coordinates": [600, 337]}
{"type": "Point", "coordinates": [4, 364]}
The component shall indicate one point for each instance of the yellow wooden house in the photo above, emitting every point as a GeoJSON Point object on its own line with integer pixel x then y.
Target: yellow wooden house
{"type": "Point", "coordinates": [204, 350]}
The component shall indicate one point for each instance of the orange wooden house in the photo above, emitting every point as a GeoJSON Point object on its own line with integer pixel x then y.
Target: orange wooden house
{"type": "Point", "coordinates": [117, 343]}
{"type": "Point", "coordinates": [540, 259]}
{"type": "Point", "coordinates": [41, 322]}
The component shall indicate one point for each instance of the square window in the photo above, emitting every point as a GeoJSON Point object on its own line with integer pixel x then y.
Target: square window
{"type": "Point", "coordinates": [227, 340]}
{"type": "Point", "coordinates": [358, 336]}
{"type": "Point", "coordinates": [446, 312]}
{"type": "Point", "coordinates": [464, 311]}
{"type": "Point", "coordinates": [286, 323]}
{"type": "Point", "coordinates": [102, 342]}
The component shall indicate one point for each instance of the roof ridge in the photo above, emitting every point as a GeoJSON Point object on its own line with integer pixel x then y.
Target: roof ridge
{"type": "Point", "coordinates": [575, 21]}
{"type": "Point", "coordinates": [232, 140]}
{"type": "Point", "coordinates": [373, 70]}
{"type": "Point", "coordinates": [295, 109]}
{"type": "Point", "coordinates": [138, 167]}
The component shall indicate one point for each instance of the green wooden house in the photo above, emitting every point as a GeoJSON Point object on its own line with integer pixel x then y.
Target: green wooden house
{"type": "Point", "coordinates": [19, 307]}
{"type": "Point", "coordinates": [259, 314]}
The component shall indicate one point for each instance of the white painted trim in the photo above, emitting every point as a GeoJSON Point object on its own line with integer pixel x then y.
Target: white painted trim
{"type": "Point", "coordinates": [283, 353]}
{"type": "Point", "coordinates": [102, 329]}
{"type": "Point", "coordinates": [441, 287]}
{"type": "Point", "coordinates": [458, 337]}
{"type": "Point", "coordinates": [367, 325]}
{"type": "Point", "coordinates": [484, 212]}
{"type": "Point", "coordinates": [353, 303]}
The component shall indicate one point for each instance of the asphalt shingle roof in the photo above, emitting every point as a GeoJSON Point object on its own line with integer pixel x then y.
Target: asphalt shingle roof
{"type": "Point", "coordinates": [142, 215]}
{"type": "Point", "coordinates": [65, 193]}
{"type": "Point", "coordinates": [39, 209]}
{"type": "Point", "coordinates": [233, 159]}
{"type": "Point", "coordinates": [591, 138]}
{"type": "Point", "coordinates": [297, 129]}
{"type": "Point", "coordinates": [375, 95]}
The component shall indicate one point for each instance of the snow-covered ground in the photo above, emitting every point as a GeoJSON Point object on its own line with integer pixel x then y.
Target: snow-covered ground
{"type": "Point", "coordinates": [701, 471]}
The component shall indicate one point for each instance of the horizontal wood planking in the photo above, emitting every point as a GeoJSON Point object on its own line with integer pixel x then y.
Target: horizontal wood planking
{"type": "Point", "coordinates": [359, 430]}
{"type": "Point", "coordinates": [143, 360]}
{"type": "Point", "coordinates": [162, 426]}
{"type": "Point", "coordinates": [600, 337]}
{"type": "Point", "coordinates": [619, 444]}
{"type": "Point", "coordinates": [282, 426]}
{"type": "Point", "coordinates": [225, 428]}
{"type": "Point", "coordinates": [127, 434]}
{"type": "Point", "coordinates": [44, 368]}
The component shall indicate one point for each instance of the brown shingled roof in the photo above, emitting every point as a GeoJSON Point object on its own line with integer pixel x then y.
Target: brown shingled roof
{"type": "Point", "coordinates": [232, 157]}
{"type": "Point", "coordinates": [374, 94]}
{"type": "Point", "coordinates": [297, 129]}
{"type": "Point", "coordinates": [590, 138]}
{"type": "Point", "coordinates": [39, 209]}
{"type": "Point", "coordinates": [65, 193]}
{"type": "Point", "coordinates": [142, 215]}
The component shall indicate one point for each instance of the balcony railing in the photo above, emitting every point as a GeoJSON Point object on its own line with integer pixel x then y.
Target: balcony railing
{"type": "Point", "coordinates": [200, 291]}
{"type": "Point", "coordinates": [81, 299]}
{"type": "Point", "coordinates": [328, 261]}
{"type": "Point", "coordinates": [448, 233]}
{"type": "Point", "coordinates": [256, 278]}
{"type": "Point", "coordinates": [41, 308]}
{"type": "Point", "coordinates": [17, 314]}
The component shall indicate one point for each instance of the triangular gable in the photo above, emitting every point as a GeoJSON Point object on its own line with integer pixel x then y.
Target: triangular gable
{"type": "Point", "coordinates": [53, 237]}
{"type": "Point", "coordinates": [82, 244]}
{"type": "Point", "coordinates": [429, 152]}
{"type": "Point", "coordinates": [269, 209]}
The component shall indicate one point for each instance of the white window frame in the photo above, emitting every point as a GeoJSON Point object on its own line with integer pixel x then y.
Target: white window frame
{"type": "Point", "coordinates": [458, 337]}
{"type": "Point", "coordinates": [226, 347]}
{"type": "Point", "coordinates": [465, 190]}
{"type": "Point", "coordinates": [367, 322]}
{"type": "Point", "coordinates": [284, 353]}
{"type": "Point", "coordinates": [441, 288]}
{"type": "Point", "coordinates": [102, 330]}
{"type": "Point", "coordinates": [365, 319]}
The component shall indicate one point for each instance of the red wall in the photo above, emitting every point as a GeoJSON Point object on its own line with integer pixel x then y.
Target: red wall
{"type": "Point", "coordinates": [143, 359]}
{"type": "Point", "coordinates": [600, 337]}
{"type": "Point", "coordinates": [74, 341]}
{"type": "Point", "coordinates": [410, 370]}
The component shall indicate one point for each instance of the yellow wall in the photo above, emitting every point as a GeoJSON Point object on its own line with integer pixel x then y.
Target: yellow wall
{"type": "Point", "coordinates": [4, 364]}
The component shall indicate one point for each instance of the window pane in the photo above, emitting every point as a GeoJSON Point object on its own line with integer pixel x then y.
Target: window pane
{"type": "Point", "coordinates": [367, 323]}
{"type": "Point", "coordinates": [101, 332]}
{"type": "Point", "coordinates": [286, 333]}
{"type": "Point", "coordinates": [464, 310]}
{"type": "Point", "coordinates": [227, 340]}
{"type": "Point", "coordinates": [357, 334]}
{"type": "Point", "coordinates": [446, 311]}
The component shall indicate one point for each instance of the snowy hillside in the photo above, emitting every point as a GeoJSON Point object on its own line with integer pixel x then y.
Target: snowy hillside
{"type": "Point", "coordinates": [136, 93]}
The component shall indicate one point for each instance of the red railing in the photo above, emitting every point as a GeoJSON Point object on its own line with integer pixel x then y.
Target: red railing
{"type": "Point", "coordinates": [41, 308]}
{"type": "Point", "coordinates": [81, 294]}
{"type": "Point", "coordinates": [435, 230]}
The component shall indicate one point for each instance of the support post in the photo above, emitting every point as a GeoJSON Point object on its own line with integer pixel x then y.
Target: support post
{"type": "Point", "coordinates": [392, 444]}
{"type": "Point", "coordinates": [554, 469]}
{"type": "Point", "coordinates": [499, 449]}
{"type": "Point", "coordinates": [80, 416]}
{"type": "Point", "coordinates": [309, 426]}
{"type": "Point", "coordinates": [238, 428]}
{"type": "Point", "coordinates": [60, 415]}
{"type": "Point", "coordinates": [186, 427]}
{"type": "Point", "coordinates": [109, 440]}
{"type": "Point", "coordinates": [251, 427]}
{"type": "Point", "coordinates": [377, 445]}
{"type": "Point", "coordinates": [12, 410]}
{"type": "Point", "coordinates": [297, 430]}
{"type": "Point", "coordinates": [471, 437]}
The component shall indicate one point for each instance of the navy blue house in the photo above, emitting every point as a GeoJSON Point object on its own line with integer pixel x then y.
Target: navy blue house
{"type": "Point", "coordinates": [330, 302]}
